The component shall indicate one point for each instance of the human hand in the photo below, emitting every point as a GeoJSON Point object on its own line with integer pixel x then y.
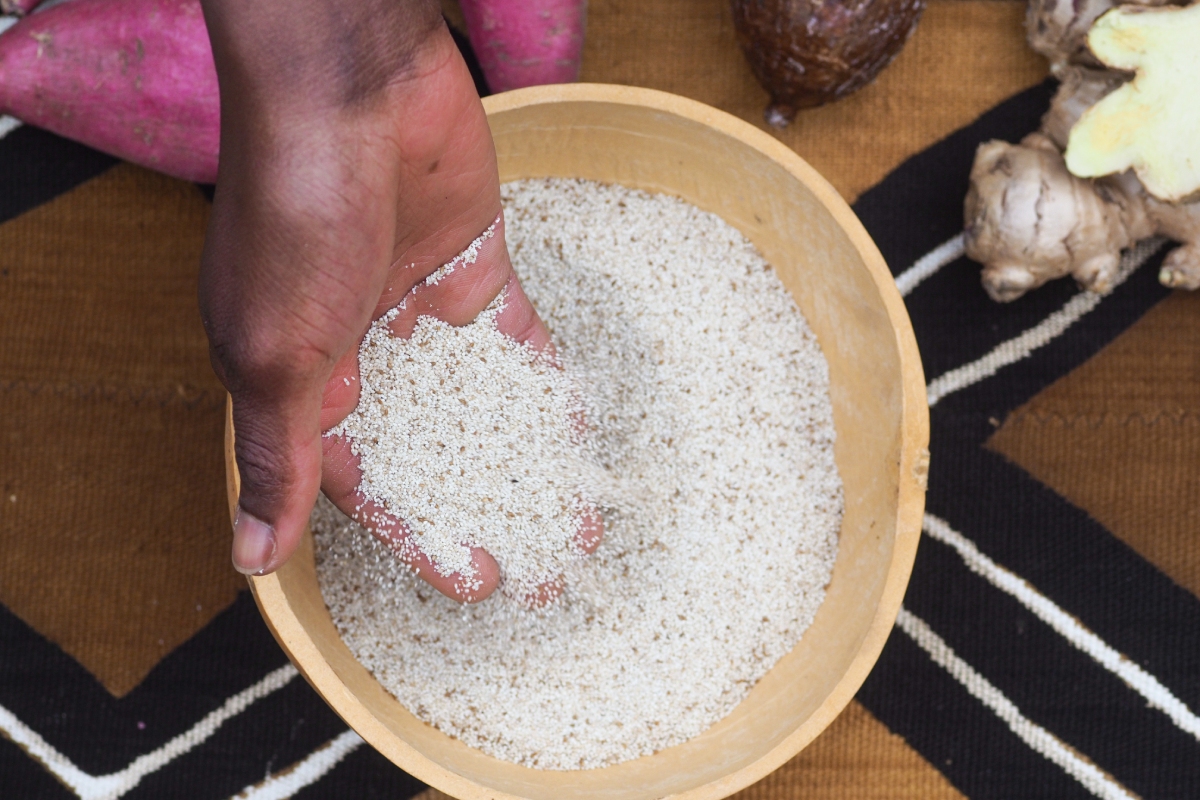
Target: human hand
{"type": "Point", "coordinates": [355, 160]}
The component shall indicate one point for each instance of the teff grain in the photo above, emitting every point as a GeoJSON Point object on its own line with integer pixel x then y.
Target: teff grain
{"type": "Point", "coordinates": [707, 402]}
{"type": "Point", "coordinates": [467, 436]}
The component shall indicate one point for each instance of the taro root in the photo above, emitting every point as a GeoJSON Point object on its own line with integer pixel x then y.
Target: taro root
{"type": "Point", "coordinates": [808, 52]}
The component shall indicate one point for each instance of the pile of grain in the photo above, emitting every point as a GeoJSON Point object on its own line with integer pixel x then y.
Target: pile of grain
{"type": "Point", "coordinates": [708, 407]}
{"type": "Point", "coordinates": [468, 436]}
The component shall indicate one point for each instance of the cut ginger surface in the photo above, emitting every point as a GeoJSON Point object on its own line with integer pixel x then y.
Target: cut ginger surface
{"type": "Point", "coordinates": [1149, 124]}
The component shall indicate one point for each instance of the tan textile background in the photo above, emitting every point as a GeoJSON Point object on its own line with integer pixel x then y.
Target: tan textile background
{"type": "Point", "coordinates": [965, 57]}
{"type": "Point", "coordinates": [1120, 437]}
{"type": "Point", "coordinates": [112, 524]}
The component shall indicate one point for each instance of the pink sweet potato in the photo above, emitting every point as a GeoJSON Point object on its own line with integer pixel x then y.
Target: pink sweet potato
{"type": "Point", "coordinates": [133, 78]}
{"type": "Point", "coordinates": [18, 7]}
{"type": "Point", "coordinates": [526, 42]}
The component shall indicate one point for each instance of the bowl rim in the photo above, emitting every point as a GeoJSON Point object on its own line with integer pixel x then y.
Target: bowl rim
{"type": "Point", "coordinates": [292, 636]}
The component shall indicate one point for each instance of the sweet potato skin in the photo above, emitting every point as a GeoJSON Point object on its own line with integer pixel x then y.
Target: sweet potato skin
{"type": "Point", "coordinates": [526, 42]}
{"type": "Point", "coordinates": [133, 78]}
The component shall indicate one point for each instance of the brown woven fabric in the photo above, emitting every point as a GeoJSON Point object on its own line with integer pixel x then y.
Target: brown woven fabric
{"type": "Point", "coordinates": [112, 518]}
{"type": "Point", "coordinates": [856, 757]}
{"type": "Point", "coordinates": [965, 57]}
{"type": "Point", "coordinates": [1120, 437]}
{"type": "Point", "coordinates": [112, 524]}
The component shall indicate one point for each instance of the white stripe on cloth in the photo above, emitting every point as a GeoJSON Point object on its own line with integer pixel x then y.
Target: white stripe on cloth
{"type": "Point", "coordinates": [8, 125]}
{"type": "Point", "coordinates": [925, 266]}
{"type": "Point", "coordinates": [303, 773]}
{"type": "Point", "coordinates": [109, 787]}
{"type": "Point", "coordinates": [59, 765]}
{"type": "Point", "coordinates": [1035, 736]}
{"type": "Point", "coordinates": [1142, 682]}
{"type": "Point", "coordinates": [1040, 335]}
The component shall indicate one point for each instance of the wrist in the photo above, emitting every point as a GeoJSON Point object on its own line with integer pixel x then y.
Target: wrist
{"type": "Point", "coordinates": [276, 57]}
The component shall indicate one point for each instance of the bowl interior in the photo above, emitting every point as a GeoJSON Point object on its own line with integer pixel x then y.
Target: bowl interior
{"type": "Point", "coordinates": [658, 142]}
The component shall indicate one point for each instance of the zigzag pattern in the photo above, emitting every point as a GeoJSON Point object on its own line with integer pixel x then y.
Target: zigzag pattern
{"type": "Point", "coordinates": [1020, 607]}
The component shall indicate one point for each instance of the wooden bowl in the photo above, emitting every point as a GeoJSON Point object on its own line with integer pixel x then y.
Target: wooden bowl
{"type": "Point", "coordinates": [663, 143]}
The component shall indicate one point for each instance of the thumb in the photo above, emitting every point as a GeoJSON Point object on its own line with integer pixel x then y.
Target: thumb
{"type": "Point", "coordinates": [277, 443]}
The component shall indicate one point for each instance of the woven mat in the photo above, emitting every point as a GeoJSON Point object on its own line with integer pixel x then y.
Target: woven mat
{"type": "Point", "coordinates": [1050, 641]}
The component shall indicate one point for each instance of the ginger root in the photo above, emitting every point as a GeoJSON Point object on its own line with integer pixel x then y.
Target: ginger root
{"type": "Point", "coordinates": [1079, 89]}
{"type": "Point", "coordinates": [1152, 123]}
{"type": "Point", "coordinates": [1030, 220]}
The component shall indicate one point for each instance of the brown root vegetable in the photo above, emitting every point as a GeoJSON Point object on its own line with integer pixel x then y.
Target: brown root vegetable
{"type": "Point", "coordinates": [808, 52]}
{"type": "Point", "coordinates": [1029, 220]}
{"type": "Point", "coordinates": [1079, 89]}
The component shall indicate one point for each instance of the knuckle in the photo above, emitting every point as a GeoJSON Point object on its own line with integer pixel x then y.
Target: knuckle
{"type": "Point", "coordinates": [242, 357]}
{"type": "Point", "coordinates": [266, 356]}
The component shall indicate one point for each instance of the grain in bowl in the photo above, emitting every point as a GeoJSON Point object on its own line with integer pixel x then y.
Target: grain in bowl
{"type": "Point", "coordinates": [709, 448]}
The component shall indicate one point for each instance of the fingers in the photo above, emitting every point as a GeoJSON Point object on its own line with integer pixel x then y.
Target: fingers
{"type": "Point", "coordinates": [308, 220]}
{"type": "Point", "coordinates": [456, 293]}
{"type": "Point", "coordinates": [459, 291]}
{"type": "Point", "coordinates": [279, 460]}
{"type": "Point", "coordinates": [341, 390]}
{"type": "Point", "coordinates": [544, 595]}
{"type": "Point", "coordinates": [519, 321]}
{"type": "Point", "coordinates": [587, 538]}
{"type": "Point", "coordinates": [590, 530]}
{"type": "Point", "coordinates": [475, 282]}
{"type": "Point", "coordinates": [457, 297]}
{"type": "Point", "coordinates": [340, 484]}
{"type": "Point", "coordinates": [277, 325]}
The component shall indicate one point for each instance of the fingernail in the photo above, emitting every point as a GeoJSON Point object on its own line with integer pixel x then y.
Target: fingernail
{"type": "Point", "coordinates": [253, 543]}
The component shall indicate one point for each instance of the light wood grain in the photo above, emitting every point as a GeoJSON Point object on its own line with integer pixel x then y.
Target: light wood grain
{"type": "Point", "coordinates": [661, 142]}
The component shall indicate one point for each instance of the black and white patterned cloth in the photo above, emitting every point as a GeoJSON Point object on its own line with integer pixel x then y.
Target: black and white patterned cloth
{"type": "Point", "coordinates": [1036, 655]}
